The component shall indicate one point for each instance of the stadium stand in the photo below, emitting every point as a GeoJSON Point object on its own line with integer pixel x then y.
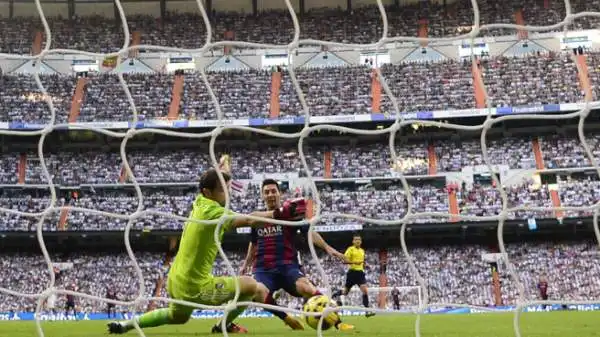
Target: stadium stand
{"type": "Point", "coordinates": [454, 274]}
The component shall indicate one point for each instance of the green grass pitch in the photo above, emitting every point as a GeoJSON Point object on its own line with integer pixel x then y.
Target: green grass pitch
{"type": "Point", "coordinates": [547, 324]}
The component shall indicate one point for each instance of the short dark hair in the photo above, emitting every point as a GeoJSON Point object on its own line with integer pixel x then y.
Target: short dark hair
{"type": "Point", "coordinates": [270, 182]}
{"type": "Point", "coordinates": [210, 179]}
{"type": "Point", "coordinates": [356, 235]}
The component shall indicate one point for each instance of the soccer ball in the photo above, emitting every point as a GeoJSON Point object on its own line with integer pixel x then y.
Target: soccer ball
{"type": "Point", "coordinates": [318, 304]}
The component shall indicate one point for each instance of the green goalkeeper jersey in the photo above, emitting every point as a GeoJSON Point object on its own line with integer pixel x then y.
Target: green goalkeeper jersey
{"type": "Point", "coordinates": [194, 262]}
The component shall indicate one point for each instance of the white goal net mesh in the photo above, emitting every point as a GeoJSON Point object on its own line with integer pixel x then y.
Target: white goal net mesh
{"type": "Point", "coordinates": [400, 122]}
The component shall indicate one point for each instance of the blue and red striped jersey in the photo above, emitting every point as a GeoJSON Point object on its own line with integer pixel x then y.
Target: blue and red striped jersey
{"type": "Point", "coordinates": [275, 246]}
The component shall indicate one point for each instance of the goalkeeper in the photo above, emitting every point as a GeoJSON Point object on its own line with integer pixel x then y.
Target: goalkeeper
{"type": "Point", "coordinates": [190, 277]}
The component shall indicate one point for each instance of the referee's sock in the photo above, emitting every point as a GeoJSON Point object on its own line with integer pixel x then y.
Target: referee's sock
{"type": "Point", "coordinates": [365, 299]}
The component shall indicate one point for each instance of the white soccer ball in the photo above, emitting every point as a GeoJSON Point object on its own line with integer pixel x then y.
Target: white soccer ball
{"type": "Point", "coordinates": [318, 304]}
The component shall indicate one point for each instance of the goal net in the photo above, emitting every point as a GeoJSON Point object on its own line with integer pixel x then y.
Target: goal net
{"type": "Point", "coordinates": [409, 295]}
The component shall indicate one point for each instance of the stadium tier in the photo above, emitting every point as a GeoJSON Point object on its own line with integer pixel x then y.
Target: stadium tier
{"type": "Point", "coordinates": [436, 173]}
{"type": "Point", "coordinates": [343, 90]}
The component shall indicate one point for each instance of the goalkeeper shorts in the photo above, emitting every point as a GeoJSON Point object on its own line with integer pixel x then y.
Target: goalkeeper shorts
{"type": "Point", "coordinates": [213, 291]}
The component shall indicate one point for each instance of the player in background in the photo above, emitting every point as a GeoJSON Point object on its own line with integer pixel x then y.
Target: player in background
{"type": "Point", "coordinates": [51, 304]}
{"type": "Point", "coordinates": [356, 273]}
{"type": "Point", "coordinates": [70, 303]}
{"type": "Point", "coordinates": [191, 278]}
{"type": "Point", "coordinates": [543, 289]}
{"type": "Point", "coordinates": [273, 252]}
{"type": "Point", "coordinates": [110, 307]}
{"type": "Point", "coordinates": [396, 298]}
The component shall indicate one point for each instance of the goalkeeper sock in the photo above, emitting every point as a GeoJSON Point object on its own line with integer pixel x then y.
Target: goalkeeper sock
{"type": "Point", "coordinates": [365, 299]}
{"type": "Point", "coordinates": [233, 314]}
{"type": "Point", "coordinates": [270, 300]}
{"type": "Point", "coordinates": [152, 319]}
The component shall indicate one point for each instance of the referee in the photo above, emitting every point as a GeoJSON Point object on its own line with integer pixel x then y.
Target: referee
{"type": "Point", "coordinates": [356, 272]}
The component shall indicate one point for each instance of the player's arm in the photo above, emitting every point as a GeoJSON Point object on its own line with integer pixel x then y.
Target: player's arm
{"type": "Point", "coordinates": [320, 242]}
{"type": "Point", "coordinates": [249, 258]}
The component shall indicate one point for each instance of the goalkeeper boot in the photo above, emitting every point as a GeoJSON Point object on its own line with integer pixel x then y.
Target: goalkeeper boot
{"type": "Point", "coordinates": [116, 328]}
{"type": "Point", "coordinates": [293, 323]}
{"type": "Point", "coordinates": [231, 328]}
{"type": "Point", "coordinates": [369, 314]}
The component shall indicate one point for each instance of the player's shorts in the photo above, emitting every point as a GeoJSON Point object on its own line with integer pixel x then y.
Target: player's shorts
{"type": "Point", "coordinates": [70, 305]}
{"type": "Point", "coordinates": [213, 291]}
{"type": "Point", "coordinates": [280, 278]}
{"type": "Point", "coordinates": [355, 278]}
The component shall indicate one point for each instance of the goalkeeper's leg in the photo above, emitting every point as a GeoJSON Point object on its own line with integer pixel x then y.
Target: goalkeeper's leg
{"type": "Point", "coordinates": [216, 291]}
{"type": "Point", "coordinates": [250, 290]}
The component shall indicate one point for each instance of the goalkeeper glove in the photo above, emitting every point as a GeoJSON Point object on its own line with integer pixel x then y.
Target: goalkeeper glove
{"type": "Point", "coordinates": [291, 210]}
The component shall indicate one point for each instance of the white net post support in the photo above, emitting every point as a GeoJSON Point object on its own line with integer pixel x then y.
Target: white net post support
{"type": "Point", "coordinates": [306, 131]}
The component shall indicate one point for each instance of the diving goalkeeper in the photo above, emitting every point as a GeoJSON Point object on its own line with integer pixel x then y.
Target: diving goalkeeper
{"type": "Point", "coordinates": [190, 277]}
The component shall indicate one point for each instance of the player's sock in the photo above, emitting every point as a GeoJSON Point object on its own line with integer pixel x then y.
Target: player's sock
{"type": "Point", "coordinates": [270, 300]}
{"type": "Point", "coordinates": [316, 293]}
{"type": "Point", "coordinates": [152, 319]}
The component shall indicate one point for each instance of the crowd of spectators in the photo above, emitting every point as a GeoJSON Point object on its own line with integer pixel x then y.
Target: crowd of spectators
{"type": "Point", "coordinates": [547, 78]}
{"type": "Point", "coordinates": [71, 169]}
{"type": "Point", "coordinates": [372, 201]}
{"type": "Point", "coordinates": [92, 274]}
{"type": "Point", "coordinates": [453, 274]}
{"type": "Point", "coordinates": [360, 25]}
{"type": "Point", "coordinates": [355, 160]}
